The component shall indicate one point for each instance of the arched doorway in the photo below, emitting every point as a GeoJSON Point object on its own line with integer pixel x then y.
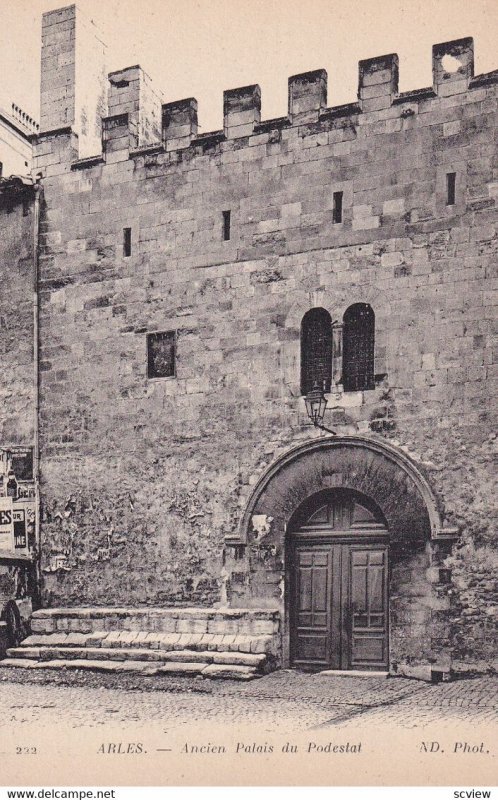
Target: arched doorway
{"type": "Point", "coordinates": [338, 576]}
{"type": "Point", "coordinates": [408, 521]}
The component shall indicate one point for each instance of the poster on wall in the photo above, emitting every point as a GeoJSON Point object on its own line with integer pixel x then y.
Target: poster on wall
{"type": "Point", "coordinates": [21, 463]}
{"type": "Point", "coordinates": [4, 462]}
{"type": "Point", "coordinates": [17, 500]}
{"type": "Point", "coordinates": [6, 524]}
{"type": "Point", "coordinates": [19, 521]}
{"type": "Point", "coordinates": [15, 465]}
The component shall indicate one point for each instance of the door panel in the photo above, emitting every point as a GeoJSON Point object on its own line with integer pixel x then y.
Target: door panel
{"type": "Point", "coordinates": [368, 577]}
{"type": "Point", "coordinates": [312, 605]}
{"type": "Point", "coordinates": [339, 605]}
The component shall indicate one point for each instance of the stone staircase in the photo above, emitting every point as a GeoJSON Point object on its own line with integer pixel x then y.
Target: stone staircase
{"type": "Point", "coordinates": [213, 643]}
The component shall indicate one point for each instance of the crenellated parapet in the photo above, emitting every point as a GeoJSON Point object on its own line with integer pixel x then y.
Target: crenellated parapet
{"type": "Point", "coordinates": [241, 111]}
{"type": "Point", "coordinates": [307, 96]}
{"type": "Point", "coordinates": [112, 120]}
{"type": "Point", "coordinates": [378, 82]}
{"type": "Point", "coordinates": [179, 123]}
{"type": "Point", "coordinates": [452, 66]}
{"type": "Point", "coordinates": [131, 92]}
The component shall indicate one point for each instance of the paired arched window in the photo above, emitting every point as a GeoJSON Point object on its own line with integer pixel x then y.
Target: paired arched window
{"type": "Point", "coordinates": [316, 350]}
{"type": "Point", "coordinates": [358, 334]}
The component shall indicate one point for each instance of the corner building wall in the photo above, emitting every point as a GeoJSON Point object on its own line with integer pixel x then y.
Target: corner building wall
{"type": "Point", "coordinates": [17, 393]}
{"type": "Point", "coordinates": [144, 481]}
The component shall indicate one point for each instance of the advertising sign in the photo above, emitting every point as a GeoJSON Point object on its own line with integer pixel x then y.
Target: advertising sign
{"type": "Point", "coordinates": [25, 491]}
{"type": "Point", "coordinates": [4, 462]}
{"type": "Point", "coordinates": [6, 524]}
{"type": "Point", "coordinates": [21, 461]}
{"type": "Point", "coordinates": [19, 520]}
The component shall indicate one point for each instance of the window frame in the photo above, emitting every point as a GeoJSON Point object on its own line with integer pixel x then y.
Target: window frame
{"type": "Point", "coordinates": [353, 354]}
{"type": "Point", "coordinates": [337, 207]}
{"type": "Point", "coordinates": [127, 242]}
{"type": "Point", "coordinates": [310, 361]}
{"type": "Point", "coordinates": [227, 225]}
{"type": "Point", "coordinates": [149, 338]}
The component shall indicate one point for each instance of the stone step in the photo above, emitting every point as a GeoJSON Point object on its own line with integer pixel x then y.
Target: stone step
{"type": "Point", "coordinates": [132, 640]}
{"type": "Point", "coordinates": [212, 642]}
{"type": "Point", "coordinates": [226, 621]}
{"type": "Point", "coordinates": [222, 671]}
{"type": "Point", "coordinates": [140, 655]}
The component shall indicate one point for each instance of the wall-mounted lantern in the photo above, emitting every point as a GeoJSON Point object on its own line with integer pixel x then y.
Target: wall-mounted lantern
{"type": "Point", "coordinates": [316, 404]}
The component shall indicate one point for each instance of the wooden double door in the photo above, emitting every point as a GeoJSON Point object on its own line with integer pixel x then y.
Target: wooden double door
{"type": "Point", "coordinates": [339, 591]}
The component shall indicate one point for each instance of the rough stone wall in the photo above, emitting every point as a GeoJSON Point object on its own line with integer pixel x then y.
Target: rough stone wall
{"type": "Point", "coordinates": [143, 479]}
{"type": "Point", "coordinates": [16, 320]}
{"type": "Point", "coordinates": [17, 387]}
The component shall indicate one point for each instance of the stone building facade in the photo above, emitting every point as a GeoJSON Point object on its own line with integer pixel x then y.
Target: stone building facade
{"type": "Point", "coordinates": [16, 152]}
{"type": "Point", "coordinates": [193, 288]}
{"type": "Point", "coordinates": [18, 563]}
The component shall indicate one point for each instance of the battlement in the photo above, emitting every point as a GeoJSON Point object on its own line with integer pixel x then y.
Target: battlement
{"type": "Point", "coordinates": [134, 119]}
{"type": "Point", "coordinates": [27, 122]}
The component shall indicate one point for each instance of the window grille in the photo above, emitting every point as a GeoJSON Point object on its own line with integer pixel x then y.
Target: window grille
{"type": "Point", "coordinates": [358, 348]}
{"type": "Point", "coordinates": [316, 350]}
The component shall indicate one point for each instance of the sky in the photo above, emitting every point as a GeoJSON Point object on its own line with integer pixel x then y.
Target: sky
{"type": "Point", "coordinates": [198, 48]}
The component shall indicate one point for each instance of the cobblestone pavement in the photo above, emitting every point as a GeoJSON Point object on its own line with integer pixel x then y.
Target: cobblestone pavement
{"type": "Point", "coordinates": [79, 728]}
{"type": "Point", "coordinates": [284, 699]}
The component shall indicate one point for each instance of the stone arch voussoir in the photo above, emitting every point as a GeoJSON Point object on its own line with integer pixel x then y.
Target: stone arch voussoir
{"type": "Point", "coordinates": [374, 468]}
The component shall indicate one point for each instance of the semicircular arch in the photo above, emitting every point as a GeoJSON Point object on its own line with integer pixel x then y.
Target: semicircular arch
{"type": "Point", "coordinates": [371, 467]}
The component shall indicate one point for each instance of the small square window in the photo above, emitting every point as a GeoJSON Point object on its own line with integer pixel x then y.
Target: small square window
{"type": "Point", "coordinates": [161, 354]}
{"type": "Point", "coordinates": [337, 207]}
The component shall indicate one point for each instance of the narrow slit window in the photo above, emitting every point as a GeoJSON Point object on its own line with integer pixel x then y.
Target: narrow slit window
{"type": "Point", "coordinates": [127, 242]}
{"type": "Point", "coordinates": [450, 188]}
{"type": "Point", "coordinates": [337, 207]}
{"type": "Point", "coordinates": [226, 225]}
